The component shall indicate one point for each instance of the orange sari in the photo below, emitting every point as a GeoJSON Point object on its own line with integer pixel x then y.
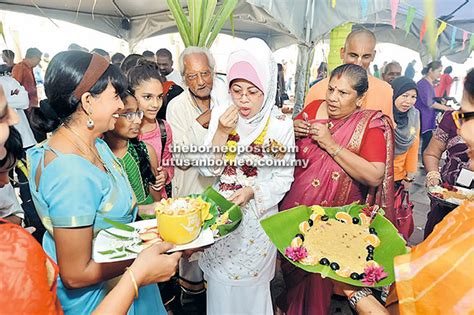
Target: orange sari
{"type": "Point", "coordinates": [437, 276]}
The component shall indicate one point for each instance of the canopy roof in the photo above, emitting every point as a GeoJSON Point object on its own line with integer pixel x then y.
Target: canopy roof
{"type": "Point", "coordinates": [279, 23]}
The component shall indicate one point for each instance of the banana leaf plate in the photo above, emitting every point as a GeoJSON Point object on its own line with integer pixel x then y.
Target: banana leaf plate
{"type": "Point", "coordinates": [282, 227]}
{"type": "Point", "coordinates": [219, 207]}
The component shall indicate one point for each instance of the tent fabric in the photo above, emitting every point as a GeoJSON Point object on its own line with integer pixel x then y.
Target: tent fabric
{"type": "Point", "coordinates": [280, 23]}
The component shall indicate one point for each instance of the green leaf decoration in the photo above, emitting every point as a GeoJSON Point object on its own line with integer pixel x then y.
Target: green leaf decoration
{"type": "Point", "coordinates": [119, 225]}
{"type": "Point", "coordinates": [182, 22]}
{"type": "Point", "coordinates": [107, 252]}
{"type": "Point", "coordinates": [120, 237]}
{"type": "Point", "coordinates": [282, 227]}
{"type": "Point", "coordinates": [208, 19]}
{"type": "Point", "coordinates": [219, 202]}
{"type": "Point", "coordinates": [202, 25]}
{"type": "Point", "coordinates": [118, 256]}
{"type": "Point", "coordinates": [221, 17]}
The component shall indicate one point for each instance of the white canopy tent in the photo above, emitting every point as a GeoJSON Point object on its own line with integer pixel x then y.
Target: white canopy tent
{"type": "Point", "coordinates": [280, 23]}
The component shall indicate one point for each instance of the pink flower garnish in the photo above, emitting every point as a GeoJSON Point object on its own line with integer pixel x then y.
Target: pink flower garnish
{"type": "Point", "coordinates": [373, 274]}
{"type": "Point", "coordinates": [296, 253]}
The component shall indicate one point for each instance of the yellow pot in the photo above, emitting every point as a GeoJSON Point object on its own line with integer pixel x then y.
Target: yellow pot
{"type": "Point", "coordinates": [179, 229]}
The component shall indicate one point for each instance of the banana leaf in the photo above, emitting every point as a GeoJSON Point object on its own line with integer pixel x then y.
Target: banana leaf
{"type": "Point", "coordinates": [222, 15]}
{"type": "Point", "coordinates": [207, 22]}
{"type": "Point", "coordinates": [119, 225]}
{"type": "Point", "coordinates": [282, 227]}
{"type": "Point", "coordinates": [195, 8]}
{"type": "Point", "coordinates": [224, 205]}
{"type": "Point", "coordinates": [182, 23]}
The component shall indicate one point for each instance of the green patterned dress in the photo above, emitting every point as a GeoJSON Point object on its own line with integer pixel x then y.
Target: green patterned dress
{"type": "Point", "coordinates": [131, 164]}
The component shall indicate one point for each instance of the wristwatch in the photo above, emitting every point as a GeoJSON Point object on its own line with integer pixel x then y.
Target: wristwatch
{"type": "Point", "coordinates": [359, 295]}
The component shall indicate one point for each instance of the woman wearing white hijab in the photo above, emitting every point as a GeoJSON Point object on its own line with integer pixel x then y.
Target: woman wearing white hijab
{"type": "Point", "coordinates": [239, 268]}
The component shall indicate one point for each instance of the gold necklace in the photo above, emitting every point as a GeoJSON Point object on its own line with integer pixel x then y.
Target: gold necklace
{"type": "Point", "coordinates": [95, 155]}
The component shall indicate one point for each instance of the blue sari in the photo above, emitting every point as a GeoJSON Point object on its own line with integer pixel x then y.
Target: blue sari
{"type": "Point", "coordinates": [71, 193]}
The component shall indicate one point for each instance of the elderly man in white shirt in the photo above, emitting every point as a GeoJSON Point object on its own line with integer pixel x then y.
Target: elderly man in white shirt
{"type": "Point", "coordinates": [188, 115]}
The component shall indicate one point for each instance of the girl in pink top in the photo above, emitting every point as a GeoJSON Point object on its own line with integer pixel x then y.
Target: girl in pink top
{"type": "Point", "coordinates": [146, 85]}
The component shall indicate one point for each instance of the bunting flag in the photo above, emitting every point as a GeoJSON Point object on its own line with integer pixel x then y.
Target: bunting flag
{"type": "Point", "coordinates": [363, 8]}
{"type": "Point", "coordinates": [453, 36]}
{"type": "Point", "coordinates": [441, 29]}
{"type": "Point", "coordinates": [464, 38]}
{"type": "Point", "coordinates": [410, 17]}
{"type": "Point", "coordinates": [333, 4]}
{"type": "Point", "coordinates": [394, 7]}
{"type": "Point", "coordinates": [471, 43]}
{"type": "Point", "coordinates": [422, 30]}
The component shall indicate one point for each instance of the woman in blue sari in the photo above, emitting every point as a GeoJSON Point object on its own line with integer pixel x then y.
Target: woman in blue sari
{"type": "Point", "coordinates": [76, 181]}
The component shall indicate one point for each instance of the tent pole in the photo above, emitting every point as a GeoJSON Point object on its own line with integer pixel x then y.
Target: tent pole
{"type": "Point", "coordinates": [303, 67]}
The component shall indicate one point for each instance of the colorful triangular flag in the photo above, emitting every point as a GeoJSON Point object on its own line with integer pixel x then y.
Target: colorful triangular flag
{"type": "Point", "coordinates": [453, 36]}
{"type": "Point", "coordinates": [394, 9]}
{"type": "Point", "coordinates": [410, 17]}
{"type": "Point", "coordinates": [441, 29]}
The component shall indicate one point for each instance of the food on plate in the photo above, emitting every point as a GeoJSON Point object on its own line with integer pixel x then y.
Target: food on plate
{"type": "Point", "coordinates": [183, 206]}
{"type": "Point", "coordinates": [344, 243]}
{"type": "Point", "coordinates": [180, 219]}
{"type": "Point", "coordinates": [452, 194]}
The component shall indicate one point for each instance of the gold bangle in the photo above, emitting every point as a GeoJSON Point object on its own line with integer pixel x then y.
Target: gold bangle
{"type": "Point", "coordinates": [135, 286]}
{"type": "Point", "coordinates": [339, 149]}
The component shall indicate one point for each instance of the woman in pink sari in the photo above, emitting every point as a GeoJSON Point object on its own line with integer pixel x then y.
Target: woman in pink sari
{"type": "Point", "coordinates": [350, 154]}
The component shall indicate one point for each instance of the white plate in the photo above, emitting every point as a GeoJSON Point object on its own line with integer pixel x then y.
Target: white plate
{"type": "Point", "coordinates": [106, 242]}
{"type": "Point", "coordinates": [455, 201]}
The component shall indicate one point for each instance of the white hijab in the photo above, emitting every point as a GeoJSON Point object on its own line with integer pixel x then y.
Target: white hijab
{"type": "Point", "coordinates": [255, 52]}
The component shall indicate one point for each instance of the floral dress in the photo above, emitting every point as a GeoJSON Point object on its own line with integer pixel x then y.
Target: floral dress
{"type": "Point", "coordinates": [240, 266]}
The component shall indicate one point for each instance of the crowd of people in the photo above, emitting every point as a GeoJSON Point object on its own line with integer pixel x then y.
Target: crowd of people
{"type": "Point", "coordinates": [99, 146]}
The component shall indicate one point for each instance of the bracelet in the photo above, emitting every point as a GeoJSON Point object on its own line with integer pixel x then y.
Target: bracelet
{"type": "Point", "coordinates": [135, 286]}
{"type": "Point", "coordinates": [357, 296]}
{"type": "Point", "coordinates": [433, 175]}
{"type": "Point", "coordinates": [409, 180]}
{"type": "Point", "coordinates": [339, 149]}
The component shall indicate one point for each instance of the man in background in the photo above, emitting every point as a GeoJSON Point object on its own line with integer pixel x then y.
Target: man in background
{"type": "Point", "coordinates": [359, 49]}
{"type": "Point", "coordinates": [188, 115]}
{"type": "Point", "coordinates": [23, 73]}
{"type": "Point", "coordinates": [391, 71]}
{"type": "Point", "coordinates": [8, 57]}
{"type": "Point", "coordinates": [117, 59]}
{"type": "Point", "coordinates": [164, 59]}
{"type": "Point", "coordinates": [149, 55]}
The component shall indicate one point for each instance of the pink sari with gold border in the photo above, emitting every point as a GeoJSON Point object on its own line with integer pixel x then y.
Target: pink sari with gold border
{"type": "Point", "coordinates": [325, 183]}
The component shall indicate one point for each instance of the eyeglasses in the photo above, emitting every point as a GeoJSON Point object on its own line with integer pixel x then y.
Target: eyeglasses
{"type": "Point", "coordinates": [460, 117]}
{"type": "Point", "coordinates": [202, 74]}
{"type": "Point", "coordinates": [130, 116]}
{"type": "Point", "coordinates": [251, 94]}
